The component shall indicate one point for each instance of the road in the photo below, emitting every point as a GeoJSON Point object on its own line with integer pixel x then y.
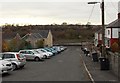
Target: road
{"type": "Point", "coordinates": [66, 66]}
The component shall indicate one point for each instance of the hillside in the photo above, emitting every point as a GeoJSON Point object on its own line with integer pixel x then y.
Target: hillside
{"type": "Point", "coordinates": [61, 33]}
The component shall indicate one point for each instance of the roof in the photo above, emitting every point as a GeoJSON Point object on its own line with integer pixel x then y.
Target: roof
{"type": "Point", "coordinates": [37, 34]}
{"type": "Point", "coordinates": [32, 36]}
{"type": "Point", "coordinates": [114, 24]}
{"type": "Point", "coordinates": [43, 33]}
{"type": "Point", "coordinates": [8, 36]}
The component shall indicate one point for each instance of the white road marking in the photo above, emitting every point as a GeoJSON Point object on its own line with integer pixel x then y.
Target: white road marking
{"type": "Point", "coordinates": [91, 78]}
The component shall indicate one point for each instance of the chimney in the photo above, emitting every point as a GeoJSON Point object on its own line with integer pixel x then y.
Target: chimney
{"type": "Point", "coordinates": [118, 15]}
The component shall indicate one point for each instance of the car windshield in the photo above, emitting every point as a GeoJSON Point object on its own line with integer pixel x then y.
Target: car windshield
{"type": "Point", "coordinates": [43, 50]}
{"type": "Point", "coordinates": [36, 52]}
{"type": "Point", "coordinates": [21, 56]}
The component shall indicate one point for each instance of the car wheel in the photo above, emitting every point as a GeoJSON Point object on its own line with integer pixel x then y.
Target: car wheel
{"type": "Point", "coordinates": [37, 59]}
{"type": "Point", "coordinates": [45, 56]}
{"type": "Point", "coordinates": [14, 66]}
{"type": "Point", "coordinates": [22, 66]}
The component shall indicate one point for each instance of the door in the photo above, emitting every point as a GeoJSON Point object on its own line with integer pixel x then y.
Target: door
{"type": "Point", "coordinates": [30, 55]}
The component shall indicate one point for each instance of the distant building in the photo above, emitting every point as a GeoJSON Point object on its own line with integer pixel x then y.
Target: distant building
{"type": "Point", "coordinates": [98, 38]}
{"type": "Point", "coordinates": [10, 36]}
{"type": "Point", "coordinates": [37, 35]}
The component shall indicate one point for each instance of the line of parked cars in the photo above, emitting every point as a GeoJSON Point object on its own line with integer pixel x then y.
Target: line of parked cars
{"type": "Point", "coordinates": [10, 61]}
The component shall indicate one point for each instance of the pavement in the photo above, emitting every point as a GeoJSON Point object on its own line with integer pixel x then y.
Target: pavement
{"type": "Point", "coordinates": [95, 73]}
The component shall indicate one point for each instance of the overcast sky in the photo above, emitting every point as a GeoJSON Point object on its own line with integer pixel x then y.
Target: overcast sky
{"type": "Point", "coordinates": [55, 11]}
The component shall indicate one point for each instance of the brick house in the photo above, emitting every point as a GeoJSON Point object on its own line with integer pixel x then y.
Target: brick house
{"type": "Point", "coordinates": [112, 34]}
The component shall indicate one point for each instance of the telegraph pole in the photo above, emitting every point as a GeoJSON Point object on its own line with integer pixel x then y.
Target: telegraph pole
{"type": "Point", "coordinates": [103, 29]}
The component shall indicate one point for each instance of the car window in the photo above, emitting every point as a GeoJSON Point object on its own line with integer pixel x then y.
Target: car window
{"type": "Point", "coordinates": [29, 52]}
{"type": "Point", "coordinates": [43, 50]}
{"type": "Point", "coordinates": [5, 56]}
{"type": "Point", "coordinates": [21, 56]}
{"type": "Point", "coordinates": [35, 52]}
{"type": "Point", "coordinates": [23, 52]}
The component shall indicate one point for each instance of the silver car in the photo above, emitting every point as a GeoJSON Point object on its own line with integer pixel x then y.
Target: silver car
{"type": "Point", "coordinates": [31, 55]}
{"type": "Point", "coordinates": [5, 66]}
{"type": "Point", "coordinates": [17, 60]}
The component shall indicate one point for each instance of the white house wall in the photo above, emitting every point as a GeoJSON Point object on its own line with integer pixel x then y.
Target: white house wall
{"type": "Point", "coordinates": [96, 35]}
{"type": "Point", "coordinates": [115, 32]}
{"type": "Point", "coordinates": [108, 33]}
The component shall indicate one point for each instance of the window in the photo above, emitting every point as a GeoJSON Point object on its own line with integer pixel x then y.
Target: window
{"type": "Point", "coordinates": [23, 52]}
{"type": "Point", "coordinates": [108, 32]}
{"type": "Point", "coordinates": [29, 52]}
{"type": "Point", "coordinates": [119, 35]}
{"type": "Point", "coordinates": [5, 56]}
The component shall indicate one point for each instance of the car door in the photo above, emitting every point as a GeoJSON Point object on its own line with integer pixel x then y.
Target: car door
{"type": "Point", "coordinates": [24, 53]}
{"type": "Point", "coordinates": [30, 55]}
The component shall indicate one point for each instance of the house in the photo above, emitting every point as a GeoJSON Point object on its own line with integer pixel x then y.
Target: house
{"type": "Point", "coordinates": [10, 41]}
{"type": "Point", "coordinates": [112, 34]}
{"type": "Point", "coordinates": [37, 35]}
{"type": "Point", "coordinates": [98, 37]}
{"type": "Point", "coordinates": [9, 36]}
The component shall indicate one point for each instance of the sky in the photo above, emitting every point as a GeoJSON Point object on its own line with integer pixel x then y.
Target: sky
{"type": "Point", "coordinates": [42, 12]}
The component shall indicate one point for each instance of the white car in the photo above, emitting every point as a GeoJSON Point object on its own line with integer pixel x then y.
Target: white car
{"type": "Point", "coordinates": [31, 55]}
{"type": "Point", "coordinates": [43, 50]}
{"type": "Point", "coordinates": [5, 66]}
{"type": "Point", "coordinates": [17, 60]}
{"type": "Point", "coordinates": [45, 54]}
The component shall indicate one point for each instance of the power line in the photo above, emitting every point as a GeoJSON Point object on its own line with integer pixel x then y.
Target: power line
{"type": "Point", "coordinates": [91, 13]}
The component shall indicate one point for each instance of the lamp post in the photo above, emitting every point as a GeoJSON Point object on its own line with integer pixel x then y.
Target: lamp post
{"type": "Point", "coordinates": [103, 26]}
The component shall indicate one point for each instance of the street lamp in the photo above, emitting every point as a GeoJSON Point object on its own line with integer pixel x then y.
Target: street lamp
{"type": "Point", "coordinates": [103, 25]}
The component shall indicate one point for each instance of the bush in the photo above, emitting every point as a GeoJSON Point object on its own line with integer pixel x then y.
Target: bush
{"type": "Point", "coordinates": [40, 43]}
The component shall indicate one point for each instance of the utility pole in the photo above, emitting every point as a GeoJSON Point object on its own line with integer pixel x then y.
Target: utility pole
{"type": "Point", "coordinates": [103, 29]}
{"type": "Point", "coordinates": [103, 26]}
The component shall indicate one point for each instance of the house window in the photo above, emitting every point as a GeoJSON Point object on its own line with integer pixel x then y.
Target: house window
{"type": "Point", "coordinates": [108, 32]}
{"type": "Point", "coordinates": [119, 35]}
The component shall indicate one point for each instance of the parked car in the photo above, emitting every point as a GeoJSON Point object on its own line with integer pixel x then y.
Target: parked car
{"type": "Point", "coordinates": [63, 48]}
{"type": "Point", "coordinates": [57, 48]}
{"type": "Point", "coordinates": [5, 66]}
{"type": "Point", "coordinates": [45, 55]}
{"type": "Point", "coordinates": [17, 60]}
{"type": "Point", "coordinates": [31, 55]}
{"type": "Point", "coordinates": [49, 50]}
{"type": "Point", "coordinates": [43, 50]}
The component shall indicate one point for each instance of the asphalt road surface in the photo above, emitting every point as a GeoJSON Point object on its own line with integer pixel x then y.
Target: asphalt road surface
{"type": "Point", "coordinates": [66, 66]}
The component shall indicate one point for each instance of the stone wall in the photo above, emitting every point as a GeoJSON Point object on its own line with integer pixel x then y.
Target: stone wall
{"type": "Point", "coordinates": [115, 63]}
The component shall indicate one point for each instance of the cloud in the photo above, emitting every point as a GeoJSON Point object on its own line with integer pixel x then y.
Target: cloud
{"type": "Point", "coordinates": [52, 12]}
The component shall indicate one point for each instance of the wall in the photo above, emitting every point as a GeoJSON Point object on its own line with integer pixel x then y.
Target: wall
{"type": "Point", "coordinates": [114, 63]}
{"type": "Point", "coordinates": [49, 39]}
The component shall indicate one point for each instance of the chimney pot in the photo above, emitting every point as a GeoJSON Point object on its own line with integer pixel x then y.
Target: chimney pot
{"type": "Point", "coordinates": [118, 15]}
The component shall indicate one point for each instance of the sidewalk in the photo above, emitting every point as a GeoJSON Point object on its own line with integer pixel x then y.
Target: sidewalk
{"type": "Point", "coordinates": [104, 76]}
